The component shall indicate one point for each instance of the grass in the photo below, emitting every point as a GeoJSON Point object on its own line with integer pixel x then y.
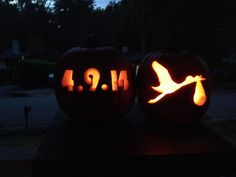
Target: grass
{"type": "Point", "coordinates": [20, 141]}
{"type": "Point", "coordinates": [20, 138]}
{"type": "Point", "coordinates": [226, 128]}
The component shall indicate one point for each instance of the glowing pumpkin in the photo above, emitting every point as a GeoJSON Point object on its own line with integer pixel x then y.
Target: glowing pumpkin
{"type": "Point", "coordinates": [174, 88]}
{"type": "Point", "coordinates": [93, 85]}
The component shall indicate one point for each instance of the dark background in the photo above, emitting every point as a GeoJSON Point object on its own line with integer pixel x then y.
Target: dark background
{"type": "Point", "coordinates": [45, 29]}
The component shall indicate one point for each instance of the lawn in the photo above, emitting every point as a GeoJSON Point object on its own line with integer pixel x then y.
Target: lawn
{"type": "Point", "coordinates": [225, 128]}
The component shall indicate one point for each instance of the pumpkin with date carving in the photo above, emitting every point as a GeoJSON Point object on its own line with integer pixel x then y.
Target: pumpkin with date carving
{"type": "Point", "coordinates": [94, 84]}
{"type": "Point", "coordinates": [174, 88]}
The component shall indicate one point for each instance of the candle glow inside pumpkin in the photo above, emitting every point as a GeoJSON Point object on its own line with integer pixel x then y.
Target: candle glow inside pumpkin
{"type": "Point", "coordinates": [168, 86]}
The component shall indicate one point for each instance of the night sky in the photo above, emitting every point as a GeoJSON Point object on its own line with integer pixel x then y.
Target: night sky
{"type": "Point", "coordinates": [102, 3]}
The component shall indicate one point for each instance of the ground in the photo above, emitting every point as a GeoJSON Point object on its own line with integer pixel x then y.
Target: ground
{"type": "Point", "coordinates": [44, 106]}
{"type": "Point", "coordinates": [225, 128]}
{"type": "Point", "coordinates": [42, 101]}
{"type": "Point", "coordinates": [221, 117]}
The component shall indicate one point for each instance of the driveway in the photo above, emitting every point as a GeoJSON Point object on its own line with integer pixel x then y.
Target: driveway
{"type": "Point", "coordinates": [223, 105]}
{"type": "Point", "coordinates": [44, 107]}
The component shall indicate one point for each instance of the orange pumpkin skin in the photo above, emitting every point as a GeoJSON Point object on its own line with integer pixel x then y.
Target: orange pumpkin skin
{"type": "Point", "coordinates": [178, 107]}
{"type": "Point", "coordinates": [103, 104]}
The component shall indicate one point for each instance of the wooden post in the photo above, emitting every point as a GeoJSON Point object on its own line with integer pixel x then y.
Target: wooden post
{"type": "Point", "coordinates": [27, 110]}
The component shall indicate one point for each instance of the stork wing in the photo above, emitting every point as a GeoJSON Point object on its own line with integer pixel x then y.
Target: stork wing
{"type": "Point", "coordinates": [152, 101]}
{"type": "Point", "coordinates": [162, 73]}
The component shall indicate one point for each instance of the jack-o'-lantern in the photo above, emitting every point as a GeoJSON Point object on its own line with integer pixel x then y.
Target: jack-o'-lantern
{"type": "Point", "coordinates": [94, 84]}
{"type": "Point", "coordinates": [174, 88]}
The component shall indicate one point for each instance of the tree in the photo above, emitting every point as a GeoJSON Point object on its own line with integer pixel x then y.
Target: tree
{"type": "Point", "coordinates": [8, 15]}
{"type": "Point", "coordinates": [26, 21]}
{"type": "Point", "coordinates": [71, 21]}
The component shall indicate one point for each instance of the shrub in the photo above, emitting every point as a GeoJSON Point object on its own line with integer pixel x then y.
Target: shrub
{"type": "Point", "coordinates": [6, 75]}
{"type": "Point", "coordinates": [33, 73]}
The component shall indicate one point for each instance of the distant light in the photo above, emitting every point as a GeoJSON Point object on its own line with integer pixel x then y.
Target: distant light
{"type": "Point", "coordinates": [51, 76]}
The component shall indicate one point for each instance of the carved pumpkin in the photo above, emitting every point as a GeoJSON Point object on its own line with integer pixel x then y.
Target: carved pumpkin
{"type": "Point", "coordinates": [94, 85]}
{"type": "Point", "coordinates": [174, 88]}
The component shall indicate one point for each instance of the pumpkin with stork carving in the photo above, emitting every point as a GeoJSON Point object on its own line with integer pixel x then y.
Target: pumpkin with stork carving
{"type": "Point", "coordinates": [174, 88]}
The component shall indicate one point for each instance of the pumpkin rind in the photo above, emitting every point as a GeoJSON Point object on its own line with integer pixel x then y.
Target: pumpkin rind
{"type": "Point", "coordinates": [177, 107]}
{"type": "Point", "coordinates": [103, 104]}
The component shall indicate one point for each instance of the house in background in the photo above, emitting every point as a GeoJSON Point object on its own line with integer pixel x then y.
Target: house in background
{"type": "Point", "coordinates": [8, 60]}
{"type": "Point", "coordinates": [10, 56]}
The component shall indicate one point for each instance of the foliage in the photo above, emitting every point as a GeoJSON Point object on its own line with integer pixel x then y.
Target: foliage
{"type": "Point", "coordinates": [45, 30]}
{"type": "Point", "coordinates": [6, 75]}
{"type": "Point", "coordinates": [34, 73]}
